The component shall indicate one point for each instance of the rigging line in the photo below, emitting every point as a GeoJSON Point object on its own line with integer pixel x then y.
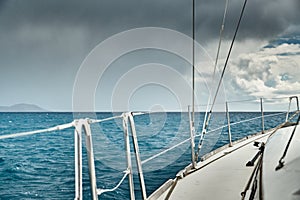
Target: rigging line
{"type": "Point", "coordinates": [216, 61]}
{"type": "Point", "coordinates": [221, 31]}
{"type": "Point", "coordinates": [229, 53]}
{"type": "Point", "coordinates": [207, 116]}
{"type": "Point", "coordinates": [220, 39]}
{"type": "Point", "coordinates": [281, 161]}
{"type": "Point", "coordinates": [217, 58]}
{"type": "Point", "coordinates": [193, 73]}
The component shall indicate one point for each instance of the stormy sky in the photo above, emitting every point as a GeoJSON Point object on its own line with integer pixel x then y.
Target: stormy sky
{"type": "Point", "coordinates": [44, 43]}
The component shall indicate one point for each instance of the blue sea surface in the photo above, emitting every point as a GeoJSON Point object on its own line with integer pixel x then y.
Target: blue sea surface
{"type": "Point", "coordinates": [41, 166]}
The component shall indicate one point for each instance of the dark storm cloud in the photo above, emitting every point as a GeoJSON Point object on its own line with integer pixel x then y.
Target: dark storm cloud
{"type": "Point", "coordinates": [107, 16]}
{"type": "Point", "coordinates": [43, 42]}
{"type": "Point", "coordinates": [58, 31]}
{"type": "Point", "coordinates": [100, 19]}
{"type": "Point", "coordinates": [270, 18]}
{"type": "Point", "coordinates": [262, 19]}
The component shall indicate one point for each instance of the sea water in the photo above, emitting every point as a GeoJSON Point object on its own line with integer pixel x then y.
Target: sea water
{"type": "Point", "coordinates": [41, 166]}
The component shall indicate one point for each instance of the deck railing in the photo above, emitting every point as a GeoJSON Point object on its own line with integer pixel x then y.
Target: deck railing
{"type": "Point", "coordinates": [128, 124]}
{"type": "Point", "coordinates": [194, 135]}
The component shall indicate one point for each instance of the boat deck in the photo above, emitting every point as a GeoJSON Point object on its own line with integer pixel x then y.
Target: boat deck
{"type": "Point", "coordinates": [227, 166]}
{"type": "Point", "coordinates": [282, 183]}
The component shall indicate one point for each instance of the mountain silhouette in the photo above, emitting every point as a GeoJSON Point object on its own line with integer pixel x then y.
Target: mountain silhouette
{"type": "Point", "coordinates": [22, 107]}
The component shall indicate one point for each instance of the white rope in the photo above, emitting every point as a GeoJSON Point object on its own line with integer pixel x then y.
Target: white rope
{"type": "Point", "coordinates": [55, 128]}
{"type": "Point", "coordinates": [60, 127]}
{"type": "Point", "coordinates": [93, 121]}
{"type": "Point", "coordinates": [141, 113]}
{"type": "Point", "coordinates": [165, 151]}
{"type": "Point", "coordinates": [101, 191]}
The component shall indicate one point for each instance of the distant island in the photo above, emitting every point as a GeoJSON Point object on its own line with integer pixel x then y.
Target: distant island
{"type": "Point", "coordinates": [22, 107]}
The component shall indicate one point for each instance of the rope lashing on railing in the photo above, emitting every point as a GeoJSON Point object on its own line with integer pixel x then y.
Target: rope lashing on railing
{"type": "Point", "coordinates": [165, 151]}
{"type": "Point", "coordinates": [101, 191]}
{"type": "Point", "coordinates": [55, 128]}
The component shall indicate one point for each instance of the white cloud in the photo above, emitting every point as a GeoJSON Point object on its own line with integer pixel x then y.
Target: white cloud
{"type": "Point", "coordinates": [270, 72]}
